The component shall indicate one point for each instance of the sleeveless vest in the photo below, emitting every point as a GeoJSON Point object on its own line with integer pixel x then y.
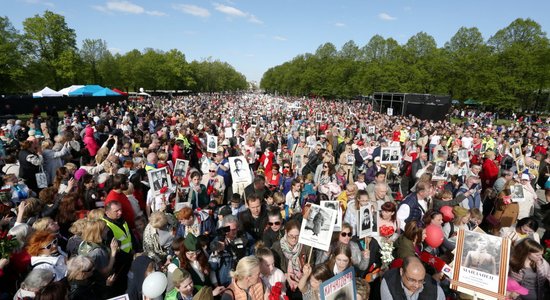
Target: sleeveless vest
{"type": "Point", "coordinates": [393, 280]}
{"type": "Point", "coordinates": [124, 237]}
{"type": "Point", "coordinates": [256, 291]}
{"type": "Point", "coordinates": [416, 211]}
{"type": "Point", "coordinates": [26, 169]}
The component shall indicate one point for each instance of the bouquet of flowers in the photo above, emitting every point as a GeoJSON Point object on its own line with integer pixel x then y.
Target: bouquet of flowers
{"type": "Point", "coordinates": [547, 250]}
{"type": "Point", "coordinates": [387, 253]}
{"type": "Point", "coordinates": [276, 292]}
{"type": "Point", "coordinates": [386, 231]}
{"type": "Point", "coordinates": [8, 244]}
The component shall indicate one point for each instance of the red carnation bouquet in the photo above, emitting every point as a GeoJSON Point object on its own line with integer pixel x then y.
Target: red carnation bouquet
{"type": "Point", "coordinates": [386, 231]}
{"type": "Point", "coordinates": [276, 292]}
{"type": "Point", "coordinates": [8, 244]}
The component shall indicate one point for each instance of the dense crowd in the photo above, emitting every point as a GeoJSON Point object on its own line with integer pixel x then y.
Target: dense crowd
{"type": "Point", "coordinates": [81, 220]}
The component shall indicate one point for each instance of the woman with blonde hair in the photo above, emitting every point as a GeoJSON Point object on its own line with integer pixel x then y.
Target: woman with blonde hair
{"type": "Point", "coordinates": [157, 237]}
{"type": "Point", "coordinates": [92, 246]}
{"type": "Point", "coordinates": [246, 283]}
{"type": "Point", "coordinates": [81, 283]}
{"type": "Point", "coordinates": [74, 241]}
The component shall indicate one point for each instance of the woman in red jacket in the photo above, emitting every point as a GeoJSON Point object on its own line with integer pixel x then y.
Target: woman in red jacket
{"type": "Point", "coordinates": [489, 170]}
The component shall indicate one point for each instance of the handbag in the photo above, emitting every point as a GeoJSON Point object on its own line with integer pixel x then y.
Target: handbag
{"type": "Point", "coordinates": [41, 179]}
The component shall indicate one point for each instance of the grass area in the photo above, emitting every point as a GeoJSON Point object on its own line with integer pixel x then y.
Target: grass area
{"type": "Point", "coordinates": [504, 122]}
{"type": "Point", "coordinates": [24, 117]}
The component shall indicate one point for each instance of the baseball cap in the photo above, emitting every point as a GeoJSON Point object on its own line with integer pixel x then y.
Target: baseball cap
{"type": "Point", "coordinates": [225, 211]}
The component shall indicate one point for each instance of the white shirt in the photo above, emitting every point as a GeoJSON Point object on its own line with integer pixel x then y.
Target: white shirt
{"type": "Point", "coordinates": [404, 211]}
{"type": "Point", "coordinates": [467, 142]}
{"type": "Point", "coordinates": [435, 140]}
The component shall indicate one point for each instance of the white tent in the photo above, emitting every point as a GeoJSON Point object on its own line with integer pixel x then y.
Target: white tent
{"type": "Point", "coordinates": [46, 92]}
{"type": "Point", "coordinates": [67, 90]}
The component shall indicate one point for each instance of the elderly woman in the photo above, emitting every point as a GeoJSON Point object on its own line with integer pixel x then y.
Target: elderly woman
{"type": "Point", "coordinates": [52, 159]}
{"type": "Point", "coordinates": [44, 254]}
{"type": "Point", "coordinates": [92, 246]}
{"type": "Point", "coordinates": [158, 237]}
{"type": "Point", "coordinates": [215, 185]}
{"type": "Point", "coordinates": [34, 282]}
{"type": "Point", "coordinates": [80, 276]}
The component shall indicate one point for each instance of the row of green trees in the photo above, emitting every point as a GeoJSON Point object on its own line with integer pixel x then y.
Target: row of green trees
{"type": "Point", "coordinates": [510, 70]}
{"type": "Point", "coordinates": [46, 54]}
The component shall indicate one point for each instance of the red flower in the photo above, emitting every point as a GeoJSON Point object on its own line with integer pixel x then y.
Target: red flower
{"type": "Point", "coordinates": [210, 190]}
{"type": "Point", "coordinates": [547, 243]}
{"type": "Point", "coordinates": [163, 190]}
{"type": "Point", "coordinates": [386, 231]}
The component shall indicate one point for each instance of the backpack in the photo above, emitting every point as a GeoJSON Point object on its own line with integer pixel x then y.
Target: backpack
{"type": "Point", "coordinates": [86, 247]}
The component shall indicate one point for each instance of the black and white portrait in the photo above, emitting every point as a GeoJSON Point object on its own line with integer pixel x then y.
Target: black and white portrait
{"type": "Point", "coordinates": [517, 193]}
{"type": "Point", "coordinates": [158, 178]}
{"type": "Point", "coordinates": [319, 117]}
{"type": "Point", "coordinates": [463, 155]}
{"type": "Point", "coordinates": [440, 170]}
{"type": "Point", "coordinates": [335, 205]}
{"type": "Point", "coordinates": [180, 169]}
{"type": "Point", "coordinates": [240, 172]}
{"type": "Point", "coordinates": [317, 227]}
{"type": "Point", "coordinates": [372, 129]}
{"type": "Point", "coordinates": [366, 221]}
{"type": "Point", "coordinates": [211, 143]}
{"type": "Point", "coordinates": [390, 155]}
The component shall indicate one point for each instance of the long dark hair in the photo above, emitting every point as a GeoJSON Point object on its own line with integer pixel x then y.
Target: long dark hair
{"type": "Point", "coordinates": [520, 252]}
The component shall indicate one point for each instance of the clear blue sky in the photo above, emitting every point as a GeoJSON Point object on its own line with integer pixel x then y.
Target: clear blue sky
{"type": "Point", "coordinates": [254, 35]}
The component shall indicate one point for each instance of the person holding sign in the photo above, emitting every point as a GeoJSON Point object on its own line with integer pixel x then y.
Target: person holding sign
{"type": "Point", "coordinates": [290, 255]}
{"type": "Point", "coordinates": [312, 279]}
{"type": "Point", "coordinates": [410, 282]}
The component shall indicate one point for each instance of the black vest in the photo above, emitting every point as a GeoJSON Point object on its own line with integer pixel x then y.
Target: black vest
{"type": "Point", "coordinates": [393, 280]}
{"type": "Point", "coordinates": [26, 169]}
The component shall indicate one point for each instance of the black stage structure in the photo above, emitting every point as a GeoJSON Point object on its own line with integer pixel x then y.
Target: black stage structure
{"type": "Point", "coordinates": [13, 105]}
{"type": "Point", "coordinates": [423, 106]}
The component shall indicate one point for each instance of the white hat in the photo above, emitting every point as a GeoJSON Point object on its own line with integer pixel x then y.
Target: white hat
{"type": "Point", "coordinates": [525, 177]}
{"type": "Point", "coordinates": [225, 142]}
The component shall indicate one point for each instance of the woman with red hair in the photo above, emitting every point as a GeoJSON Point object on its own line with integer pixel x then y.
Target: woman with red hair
{"type": "Point", "coordinates": [44, 254]}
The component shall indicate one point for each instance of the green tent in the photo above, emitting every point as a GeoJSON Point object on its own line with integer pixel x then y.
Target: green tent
{"type": "Point", "coordinates": [471, 102]}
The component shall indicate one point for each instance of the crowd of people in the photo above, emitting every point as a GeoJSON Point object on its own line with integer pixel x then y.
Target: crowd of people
{"type": "Point", "coordinates": [82, 216]}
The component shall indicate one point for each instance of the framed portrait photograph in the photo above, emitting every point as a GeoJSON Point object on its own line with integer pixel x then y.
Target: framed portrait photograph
{"type": "Point", "coordinates": [159, 178]}
{"type": "Point", "coordinates": [336, 206]}
{"type": "Point", "coordinates": [350, 159]}
{"type": "Point", "coordinates": [228, 132]}
{"type": "Point", "coordinates": [318, 117]}
{"type": "Point", "coordinates": [441, 170]}
{"type": "Point", "coordinates": [517, 193]}
{"type": "Point", "coordinates": [390, 155]}
{"type": "Point", "coordinates": [481, 264]}
{"type": "Point", "coordinates": [372, 129]}
{"type": "Point", "coordinates": [516, 151]}
{"type": "Point", "coordinates": [463, 155]}
{"type": "Point", "coordinates": [367, 225]}
{"type": "Point", "coordinates": [181, 167]}
{"type": "Point", "coordinates": [364, 153]}
{"type": "Point", "coordinates": [317, 227]}
{"type": "Point", "coordinates": [240, 172]}
{"type": "Point", "coordinates": [390, 111]}
{"type": "Point", "coordinates": [211, 143]}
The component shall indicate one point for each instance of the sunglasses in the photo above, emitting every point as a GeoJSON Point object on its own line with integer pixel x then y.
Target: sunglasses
{"type": "Point", "coordinates": [212, 171]}
{"type": "Point", "coordinates": [286, 167]}
{"type": "Point", "coordinates": [276, 223]}
{"type": "Point", "coordinates": [51, 244]}
{"type": "Point", "coordinates": [344, 234]}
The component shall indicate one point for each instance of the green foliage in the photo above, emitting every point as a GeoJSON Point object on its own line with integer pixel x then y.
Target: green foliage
{"type": "Point", "coordinates": [511, 70]}
{"type": "Point", "coordinates": [11, 60]}
{"type": "Point", "coordinates": [46, 54]}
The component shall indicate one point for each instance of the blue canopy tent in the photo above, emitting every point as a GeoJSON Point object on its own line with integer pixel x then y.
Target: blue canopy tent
{"type": "Point", "coordinates": [105, 92]}
{"type": "Point", "coordinates": [87, 90]}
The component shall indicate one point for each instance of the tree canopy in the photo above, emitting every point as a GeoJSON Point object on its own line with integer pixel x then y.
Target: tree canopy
{"type": "Point", "coordinates": [46, 54]}
{"type": "Point", "coordinates": [510, 70]}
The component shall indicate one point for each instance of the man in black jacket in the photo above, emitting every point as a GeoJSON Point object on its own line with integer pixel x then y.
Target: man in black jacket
{"type": "Point", "coordinates": [253, 220]}
{"type": "Point", "coordinates": [410, 282]}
